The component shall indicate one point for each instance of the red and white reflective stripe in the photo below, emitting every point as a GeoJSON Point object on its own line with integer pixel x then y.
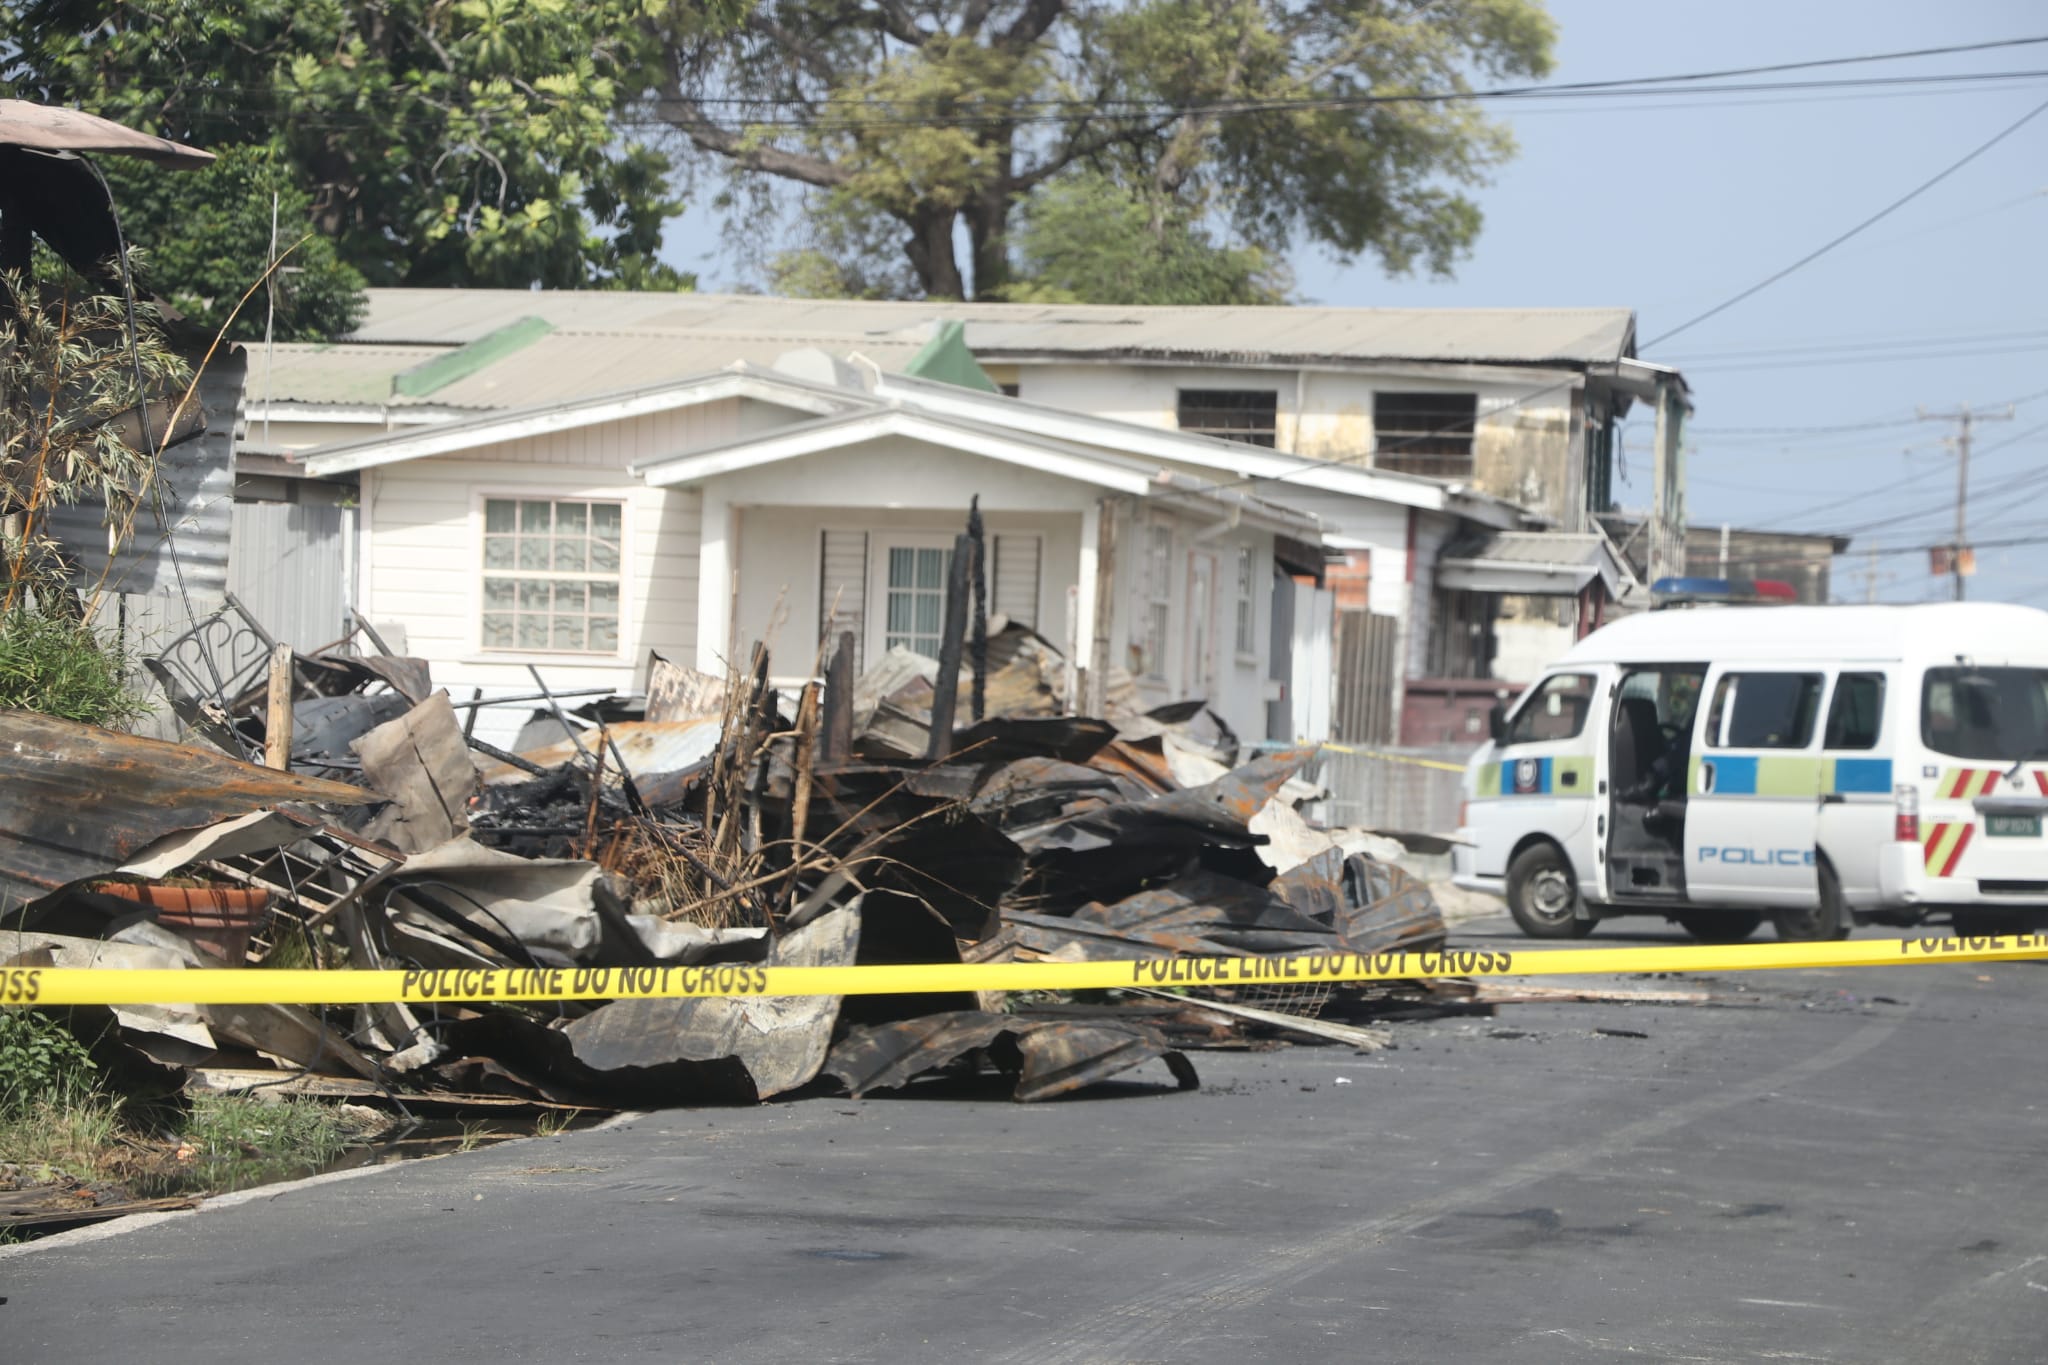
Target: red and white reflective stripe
{"type": "Point", "coordinates": [1945, 844]}
{"type": "Point", "coordinates": [2041, 780]}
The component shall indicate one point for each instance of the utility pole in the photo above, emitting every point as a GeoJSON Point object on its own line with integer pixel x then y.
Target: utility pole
{"type": "Point", "coordinates": [1965, 420]}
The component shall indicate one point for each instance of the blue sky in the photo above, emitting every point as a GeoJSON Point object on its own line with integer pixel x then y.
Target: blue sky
{"type": "Point", "coordinates": [1669, 205]}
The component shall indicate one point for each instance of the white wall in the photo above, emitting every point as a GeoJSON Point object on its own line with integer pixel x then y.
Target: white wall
{"type": "Point", "coordinates": [779, 569]}
{"type": "Point", "coordinates": [421, 527]}
{"type": "Point", "coordinates": [1323, 413]}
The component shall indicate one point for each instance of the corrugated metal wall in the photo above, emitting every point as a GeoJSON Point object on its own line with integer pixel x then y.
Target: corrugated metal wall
{"type": "Point", "coordinates": [196, 480]}
{"type": "Point", "coordinates": [291, 567]}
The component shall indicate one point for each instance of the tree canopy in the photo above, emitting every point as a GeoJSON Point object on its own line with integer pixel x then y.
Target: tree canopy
{"type": "Point", "coordinates": [432, 142]}
{"type": "Point", "coordinates": [1334, 122]}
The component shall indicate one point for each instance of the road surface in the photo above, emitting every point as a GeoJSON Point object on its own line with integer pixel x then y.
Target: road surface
{"type": "Point", "coordinates": [1828, 1166]}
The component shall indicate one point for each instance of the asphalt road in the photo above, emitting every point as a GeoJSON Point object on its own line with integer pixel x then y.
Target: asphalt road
{"type": "Point", "coordinates": [1829, 1166]}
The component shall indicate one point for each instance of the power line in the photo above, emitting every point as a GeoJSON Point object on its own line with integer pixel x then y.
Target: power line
{"type": "Point", "coordinates": [1869, 222]}
{"type": "Point", "coordinates": [1817, 508]}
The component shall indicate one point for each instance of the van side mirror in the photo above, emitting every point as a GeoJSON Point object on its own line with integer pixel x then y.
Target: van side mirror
{"type": "Point", "coordinates": [1497, 722]}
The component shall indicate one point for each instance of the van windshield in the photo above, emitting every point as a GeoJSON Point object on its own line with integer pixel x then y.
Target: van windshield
{"type": "Point", "coordinates": [1999, 714]}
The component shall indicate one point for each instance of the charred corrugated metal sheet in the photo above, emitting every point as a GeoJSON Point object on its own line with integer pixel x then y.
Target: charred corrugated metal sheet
{"type": "Point", "coordinates": [77, 801]}
{"type": "Point", "coordinates": [180, 540]}
{"type": "Point", "coordinates": [1048, 1058]}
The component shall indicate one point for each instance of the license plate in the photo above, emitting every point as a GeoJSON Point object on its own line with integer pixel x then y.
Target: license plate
{"type": "Point", "coordinates": [2012, 826]}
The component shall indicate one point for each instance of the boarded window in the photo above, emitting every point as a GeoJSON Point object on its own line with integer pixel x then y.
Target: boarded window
{"type": "Point", "coordinates": [1248, 415]}
{"type": "Point", "coordinates": [1014, 589]}
{"type": "Point", "coordinates": [1425, 433]}
{"type": "Point", "coordinates": [551, 575]}
{"type": "Point", "coordinates": [843, 589]}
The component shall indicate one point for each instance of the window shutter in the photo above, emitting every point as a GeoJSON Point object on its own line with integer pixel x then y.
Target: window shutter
{"type": "Point", "coordinates": [843, 589]}
{"type": "Point", "coordinates": [1015, 585]}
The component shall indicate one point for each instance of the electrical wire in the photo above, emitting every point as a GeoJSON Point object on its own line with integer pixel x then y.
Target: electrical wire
{"type": "Point", "coordinates": [1870, 222]}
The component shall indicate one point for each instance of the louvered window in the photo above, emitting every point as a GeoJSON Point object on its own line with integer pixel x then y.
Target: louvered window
{"type": "Point", "coordinates": [1014, 591]}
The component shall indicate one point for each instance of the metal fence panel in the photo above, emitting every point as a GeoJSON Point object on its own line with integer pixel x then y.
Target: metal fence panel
{"type": "Point", "coordinates": [290, 569]}
{"type": "Point", "coordinates": [1368, 791]}
{"type": "Point", "coordinates": [1365, 646]}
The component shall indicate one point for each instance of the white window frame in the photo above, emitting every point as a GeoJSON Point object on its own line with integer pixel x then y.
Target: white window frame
{"type": "Point", "coordinates": [1246, 635]}
{"type": "Point", "coordinates": [880, 542]}
{"type": "Point", "coordinates": [479, 652]}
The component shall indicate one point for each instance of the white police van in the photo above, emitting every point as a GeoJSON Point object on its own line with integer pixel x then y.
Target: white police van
{"type": "Point", "coordinates": [1823, 766]}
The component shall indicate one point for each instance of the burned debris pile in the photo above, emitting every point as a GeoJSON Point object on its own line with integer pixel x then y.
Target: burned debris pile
{"type": "Point", "coordinates": [348, 815]}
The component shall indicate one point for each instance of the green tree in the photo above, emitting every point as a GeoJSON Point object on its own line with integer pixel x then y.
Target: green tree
{"type": "Point", "coordinates": [435, 142]}
{"type": "Point", "coordinates": [1086, 239]}
{"type": "Point", "coordinates": [1265, 115]}
{"type": "Point", "coordinates": [210, 238]}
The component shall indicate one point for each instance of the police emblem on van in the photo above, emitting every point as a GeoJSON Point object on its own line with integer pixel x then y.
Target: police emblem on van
{"type": "Point", "coordinates": [1528, 776]}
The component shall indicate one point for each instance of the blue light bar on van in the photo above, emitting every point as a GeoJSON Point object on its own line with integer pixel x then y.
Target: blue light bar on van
{"type": "Point", "coordinates": [1667, 592]}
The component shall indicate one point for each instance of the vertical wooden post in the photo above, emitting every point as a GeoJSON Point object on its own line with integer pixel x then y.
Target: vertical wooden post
{"type": "Point", "coordinates": [277, 720]}
{"type": "Point", "coordinates": [946, 696]}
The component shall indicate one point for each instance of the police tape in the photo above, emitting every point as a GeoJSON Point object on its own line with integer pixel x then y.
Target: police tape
{"type": "Point", "coordinates": [1410, 759]}
{"type": "Point", "coordinates": [124, 986]}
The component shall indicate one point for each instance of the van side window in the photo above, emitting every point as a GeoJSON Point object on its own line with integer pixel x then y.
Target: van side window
{"type": "Point", "coordinates": [1557, 710]}
{"type": "Point", "coordinates": [1857, 712]}
{"type": "Point", "coordinates": [1764, 711]}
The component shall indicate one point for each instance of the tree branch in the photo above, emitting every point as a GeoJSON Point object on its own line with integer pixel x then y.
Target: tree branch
{"type": "Point", "coordinates": [1079, 147]}
{"type": "Point", "coordinates": [687, 117]}
{"type": "Point", "coordinates": [1037, 19]}
{"type": "Point", "coordinates": [897, 22]}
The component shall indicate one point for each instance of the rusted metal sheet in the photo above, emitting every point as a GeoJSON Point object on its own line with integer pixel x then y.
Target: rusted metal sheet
{"type": "Point", "coordinates": [1216, 813]}
{"type": "Point", "coordinates": [1373, 906]}
{"type": "Point", "coordinates": [77, 801]}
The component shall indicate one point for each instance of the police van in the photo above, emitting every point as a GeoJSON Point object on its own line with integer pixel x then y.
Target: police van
{"type": "Point", "coordinates": [1824, 766]}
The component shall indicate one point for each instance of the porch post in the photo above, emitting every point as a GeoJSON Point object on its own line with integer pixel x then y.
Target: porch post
{"type": "Point", "coordinates": [717, 561]}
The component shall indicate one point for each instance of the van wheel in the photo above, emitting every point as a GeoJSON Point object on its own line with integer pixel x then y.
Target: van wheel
{"type": "Point", "coordinates": [1542, 895]}
{"type": "Point", "coordinates": [1819, 923]}
{"type": "Point", "coordinates": [1731, 926]}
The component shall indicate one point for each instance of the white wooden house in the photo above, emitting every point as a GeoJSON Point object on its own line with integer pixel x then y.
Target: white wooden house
{"type": "Point", "coordinates": [694, 517]}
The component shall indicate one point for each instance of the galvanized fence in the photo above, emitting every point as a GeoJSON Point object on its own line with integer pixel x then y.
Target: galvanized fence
{"type": "Point", "coordinates": [1389, 789]}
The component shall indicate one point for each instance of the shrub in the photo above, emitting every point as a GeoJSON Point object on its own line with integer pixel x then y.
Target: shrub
{"type": "Point", "coordinates": [40, 1062]}
{"type": "Point", "coordinates": [62, 668]}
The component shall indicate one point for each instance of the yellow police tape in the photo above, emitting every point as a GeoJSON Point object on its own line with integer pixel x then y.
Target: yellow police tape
{"type": "Point", "coordinates": [118, 986]}
{"type": "Point", "coordinates": [1409, 759]}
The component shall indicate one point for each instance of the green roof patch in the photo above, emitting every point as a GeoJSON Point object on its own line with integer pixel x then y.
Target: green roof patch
{"type": "Point", "coordinates": [430, 376]}
{"type": "Point", "coordinates": [945, 358]}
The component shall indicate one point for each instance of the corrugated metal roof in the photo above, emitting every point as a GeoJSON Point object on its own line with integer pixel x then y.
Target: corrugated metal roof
{"type": "Point", "coordinates": [996, 331]}
{"type": "Point", "coordinates": [567, 365]}
{"type": "Point", "coordinates": [345, 374]}
{"type": "Point", "coordinates": [1528, 547]}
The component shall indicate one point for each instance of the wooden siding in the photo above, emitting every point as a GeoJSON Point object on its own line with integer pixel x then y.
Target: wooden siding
{"type": "Point", "coordinates": [425, 567]}
{"type": "Point", "coordinates": [615, 445]}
